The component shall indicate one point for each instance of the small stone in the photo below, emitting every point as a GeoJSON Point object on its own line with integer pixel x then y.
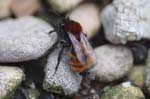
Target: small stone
{"type": "Point", "coordinates": [121, 92]}
{"type": "Point", "coordinates": [64, 81]}
{"type": "Point", "coordinates": [88, 16]}
{"type": "Point", "coordinates": [10, 78]}
{"type": "Point", "coordinates": [4, 8]}
{"type": "Point", "coordinates": [24, 39]}
{"type": "Point", "coordinates": [137, 75]}
{"type": "Point", "coordinates": [126, 20]}
{"type": "Point", "coordinates": [147, 78]}
{"type": "Point", "coordinates": [139, 52]}
{"type": "Point", "coordinates": [113, 62]}
{"type": "Point", "coordinates": [58, 5]}
{"type": "Point", "coordinates": [24, 7]}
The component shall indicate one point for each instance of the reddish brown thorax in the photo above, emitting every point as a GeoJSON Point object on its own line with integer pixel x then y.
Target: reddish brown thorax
{"type": "Point", "coordinates": [73, 27]}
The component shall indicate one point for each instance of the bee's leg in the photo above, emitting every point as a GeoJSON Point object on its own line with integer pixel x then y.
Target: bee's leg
{"type": "Point", "coordinates": [59, 58]}
{"type": "Point", "coordinates": [51, 31]}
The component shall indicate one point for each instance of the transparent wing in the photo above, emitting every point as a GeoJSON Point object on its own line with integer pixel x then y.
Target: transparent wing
{"type": "Point", "coordinates": [83, 50]}
{"type": "Point", "coordinates": [88, 50]}
{"type": "Point", "coordinates": [77, 48]}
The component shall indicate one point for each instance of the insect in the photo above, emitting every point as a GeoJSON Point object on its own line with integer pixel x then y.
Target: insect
{"type": "Point", "coordinates": [71, 35]}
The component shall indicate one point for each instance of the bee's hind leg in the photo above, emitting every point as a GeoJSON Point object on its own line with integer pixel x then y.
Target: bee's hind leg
{"type": "Point", "coordinates": [59, 58]}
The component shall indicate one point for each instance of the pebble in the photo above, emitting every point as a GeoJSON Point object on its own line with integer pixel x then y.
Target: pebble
{"type": "Point", "coordinates": [113, 62]}
{"type": "Point", "coordinates": [10, 79]}
{"type": "Point", "coordinates": [88, 16]}
{"type": "Point", "coordinates": [126, 20]}
{"type": "Point", "coordinates": [4, 8]}
{"type": "Point", "coordinates": [64, 81]}
{"type": "Point", "coordinates": [24, 39]}
{"type": "Point", "coordinates": [59, 6]}
{"type": "Point", "coordinates": [123, 92]}
{"type": "Point", "coordinates": [137, 75]}
{"type": "Point", "coordinates": [139, 52]}
{"type": "Point", "coordinates": [147, 73]}
{"type": "Point", "coordinates": [24, 7]}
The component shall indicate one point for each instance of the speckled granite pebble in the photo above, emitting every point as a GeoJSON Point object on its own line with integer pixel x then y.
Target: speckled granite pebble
{"type": "Point", "coordinates": [123, 91]}
{"type": "Point", "coordinates": [24, 39]}
{"type": "Point", "coordinates": [10, 78]}
{"type": "Point", "coordinates": [65, 81]}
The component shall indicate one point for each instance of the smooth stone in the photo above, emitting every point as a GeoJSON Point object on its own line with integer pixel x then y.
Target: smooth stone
{"type": "Point", "coordinates": [4, 8]}
{"type": "Point", "coordinates": [126, 20]}
{"type": "Point", "coordinates": [10, 79]}
{"type": "Point", "coordinates": [113, 62]}
{"type": "Point", "coordinates": [123, 91]}
{"type": "Point", "coordinates": [24, 7]}
{"type": "Point", "coordinates": [137, 75]}
{"type": "Point", "coordinates": [24, 39]}
{"type": "Point", "coordinates": [88, 15]}
{"type": "Point", "coordinates": [64, 81]}
{"type": "Point", "coordinates": [58, 5]}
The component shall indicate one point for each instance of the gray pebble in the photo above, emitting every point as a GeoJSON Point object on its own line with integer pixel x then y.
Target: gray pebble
{"type": "Point", "coordinates": [24, 39]}
{"type": "Point", "coordinates": [126, 20]}
{"type": "Point", "coordinates": [64, 81]}
{"type": "Point", "coordinates": [113, 62]}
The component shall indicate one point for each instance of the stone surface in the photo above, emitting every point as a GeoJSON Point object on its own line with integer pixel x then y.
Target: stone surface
{"type": "Point", "coordinates": [10, 78]}
{"type": "Point", "coordinates": [113, 62]}
{"type": "Point", "coordinates": [4, 8]}
{"type": "Point", "coordinates": [126, 20]}
{"type": "Point", "coordinates": [137, 75]}
{"type": "Point", "coordinates": [123, 91]}
{"type": "Point", "coordinates": [59, 5]}
{"type": "Point", "coordinates": [24, 39]}
{"type": "Point", "coordinates": [88, 16]}
{"type": "Point", "coordinates": [24, 7]}
{"type": "Point", "coordinates": [64, 81]}
{"type": "Point", "coordinates": [147, 79]}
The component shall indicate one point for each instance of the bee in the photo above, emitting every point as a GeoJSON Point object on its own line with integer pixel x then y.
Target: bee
{"type": "Point", "coordinates": [70, 34]}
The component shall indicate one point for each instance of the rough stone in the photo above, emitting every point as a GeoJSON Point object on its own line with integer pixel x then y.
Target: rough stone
{"type": "Point", "coordinates": [64, 81]}
{"type": "Point", "coordinates": [126, 20]}
{"type": "Point", "coordinates": [10, 78]}
{"type": "Point", "coordinates": [24, 39]}
{"type": "Point", "coordinates": [123, 91]}
{"type": "Point", "coordinates": [113, 62]}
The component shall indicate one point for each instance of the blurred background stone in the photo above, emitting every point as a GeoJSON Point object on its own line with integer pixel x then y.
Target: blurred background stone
{"type": "Point", "coordinates": [5, 8]}
{"type": "Point", "coordinates": [88, 15]}
{"type": "Point", "coordinates": [61, 6]}
{"type": "Point", "coordinates": [137, 75]}
{"type": "Point", "coordinates": [25, 7]}
{"type": "Point", "coordinates": [113, 62]}
{"type": "Point", "coordinates": [123, 91]}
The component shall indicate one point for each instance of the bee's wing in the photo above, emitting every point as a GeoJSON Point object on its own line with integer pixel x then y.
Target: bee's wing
{"type": "Point", "coordinates": [77, 48]}
{"type": "Point", "coordinates": [83, 49]}
{"type": "Point", "coordinates": [88, 50]}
